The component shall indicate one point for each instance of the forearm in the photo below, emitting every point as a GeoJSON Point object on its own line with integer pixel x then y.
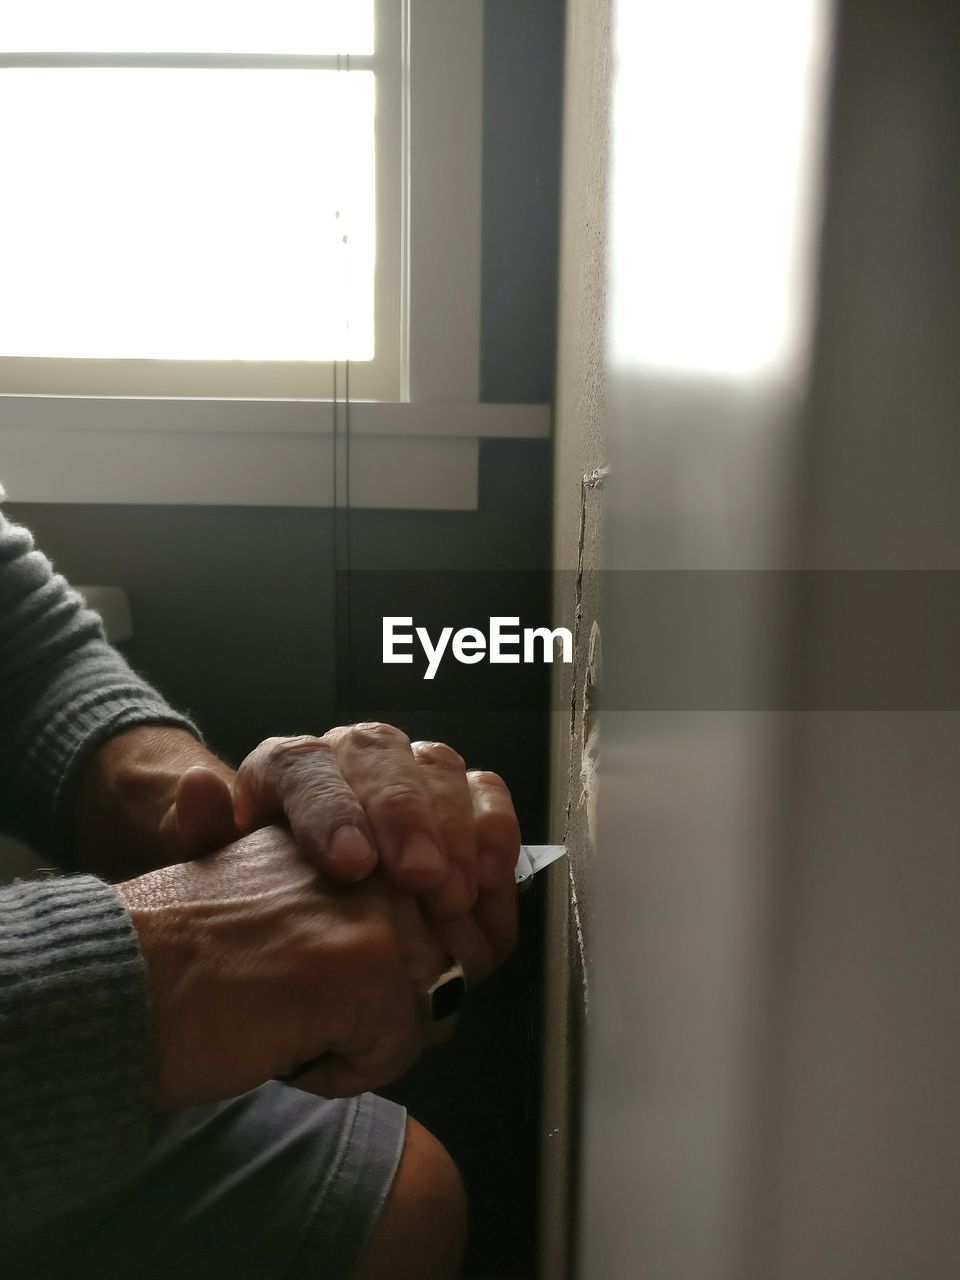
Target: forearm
{"type": "Point", "coordinates": [65, 694]}
{"type": "Point", "coordinates": [126, 793]}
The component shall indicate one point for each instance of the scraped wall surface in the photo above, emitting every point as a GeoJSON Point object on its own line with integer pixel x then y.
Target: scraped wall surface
{"type": "Point", "coordinates": [578, 497]}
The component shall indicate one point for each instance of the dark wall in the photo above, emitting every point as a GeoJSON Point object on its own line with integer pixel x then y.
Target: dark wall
{"type": "Point", "coordinates": [523, 86]}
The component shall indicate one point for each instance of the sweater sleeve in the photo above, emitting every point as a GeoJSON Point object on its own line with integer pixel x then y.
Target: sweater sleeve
{"type": "Point", "coordinates": [76, 1055]}
{"type": "Point", "coordinates": [76, 1050]}
{"type": "Point", "coordinates": [63, 691]}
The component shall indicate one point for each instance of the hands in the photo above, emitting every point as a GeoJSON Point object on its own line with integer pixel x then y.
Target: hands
{"type": "Point", "coordinates": [257, 964]}
{"type": "Point", "coordinates": [363, 798]}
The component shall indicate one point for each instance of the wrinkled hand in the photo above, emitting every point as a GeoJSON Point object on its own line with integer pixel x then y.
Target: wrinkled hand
{"type": "Point", "coordinates": [363, 797]}
{"type": "Point", "coordinates": [256, 963]}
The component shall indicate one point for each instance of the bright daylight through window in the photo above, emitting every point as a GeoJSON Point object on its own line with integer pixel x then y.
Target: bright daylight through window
{"type": "Point", "coordinates": [193, 181]}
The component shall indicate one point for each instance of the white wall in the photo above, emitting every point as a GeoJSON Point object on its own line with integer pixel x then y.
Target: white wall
{"type": "Point", "coordinates": [773, 1059]}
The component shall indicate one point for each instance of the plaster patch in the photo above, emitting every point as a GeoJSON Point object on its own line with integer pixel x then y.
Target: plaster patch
{"type": "Point", "coordinates": [590, 730]}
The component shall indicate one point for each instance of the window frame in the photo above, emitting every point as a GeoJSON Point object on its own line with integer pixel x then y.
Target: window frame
{"type": "Point", "coordinates": [378, 379]}
{"type": "Point", "coordinates": [251, 449]}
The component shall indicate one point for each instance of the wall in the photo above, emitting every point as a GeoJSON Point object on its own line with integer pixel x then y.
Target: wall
{"type": "Point", "coordinates": [578, 508]}
{"type": "Point", "coordinates": [523, 68]}
{"type": "Point", "coordinates": [773, 1077]}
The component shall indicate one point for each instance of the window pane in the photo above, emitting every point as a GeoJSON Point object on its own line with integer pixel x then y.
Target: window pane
{"type": "Point", "coordinates": [187, 26]}
{"type": "Point", "coordinates": [187, 214]}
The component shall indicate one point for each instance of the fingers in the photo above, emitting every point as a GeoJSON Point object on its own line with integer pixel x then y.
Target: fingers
{"type": "Point", "coordinates": [498, 841]}
{"type": "Point", "coordinates": [299, 779]}
{"type": "Point", "coordinates": [381, 1041]}
{"type": "Point", "coordinates": [355, 1070]}
{"type": "Point", "coordinates": [362, 796]}
{"type": "Point", "coordinates": [496, 916]}
{"type": "Point", "coordinates": [201, 819]}
{"type": "Point", "coordinates": [484, 938]}
{"type": "Point", "coordinates": [497, 828]}
{"type": "Point", "coordinates": [445, 778]}
{"type": "Point", "coordinates": [380, 767]}
{"type": "Point", "coordinates": [386, 1029]}
{"type": "Point", "coordinates": [421, 953]}
{"type": "Point", "coordinates": [339, 1075]}
{"type": "Point", "coordinates": [333, 1076]}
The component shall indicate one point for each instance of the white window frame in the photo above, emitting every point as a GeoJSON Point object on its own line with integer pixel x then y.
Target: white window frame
{"type": "Point", "coordinates": [379, 379]}
{"type": "Point", "coordinates": [417, 451]}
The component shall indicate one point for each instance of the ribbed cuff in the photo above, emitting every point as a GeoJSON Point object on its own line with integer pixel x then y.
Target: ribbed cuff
{"type": "Point", "coordinates": [76, 1050]}
{"type": "Point", "coordinates": [100, 697]}
{"type": "Point", "coordinates": [93, 725]}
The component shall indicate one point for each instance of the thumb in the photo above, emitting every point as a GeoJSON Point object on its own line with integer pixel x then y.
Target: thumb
{"type": "Point", "coordinates": [200, 820]}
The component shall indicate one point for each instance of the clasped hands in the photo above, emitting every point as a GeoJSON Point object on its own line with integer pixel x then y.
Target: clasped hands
{"type": "Point", "coordinates": [315, 892]}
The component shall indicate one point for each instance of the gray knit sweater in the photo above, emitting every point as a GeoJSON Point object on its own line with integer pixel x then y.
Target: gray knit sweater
{"type": "Point", "coordinates": [76, 1060]}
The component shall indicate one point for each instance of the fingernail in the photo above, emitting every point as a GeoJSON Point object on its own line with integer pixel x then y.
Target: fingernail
{"type": "Point", "coordinates": [349, 854]}
{"type": "Point", "coordinates": [421, 856]}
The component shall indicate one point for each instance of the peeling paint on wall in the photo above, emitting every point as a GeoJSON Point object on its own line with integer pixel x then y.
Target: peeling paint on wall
{"type": "Point", "coordinates": [580, 472]}
{"type": "Point", "coordinates": [590, 731]}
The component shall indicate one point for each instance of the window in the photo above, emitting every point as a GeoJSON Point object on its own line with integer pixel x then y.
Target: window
{"type": "Point", "coordinates": [203, 197]}
{"type": "Point", "coordinates": [176, 296]}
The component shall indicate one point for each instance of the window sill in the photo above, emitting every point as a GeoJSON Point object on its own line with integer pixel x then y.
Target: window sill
{"type": "Point", "coordinates": [205, 452]}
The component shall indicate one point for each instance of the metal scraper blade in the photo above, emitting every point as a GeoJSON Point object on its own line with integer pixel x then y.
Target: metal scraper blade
{"type": "Point", "coordinates": [533, 858]}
